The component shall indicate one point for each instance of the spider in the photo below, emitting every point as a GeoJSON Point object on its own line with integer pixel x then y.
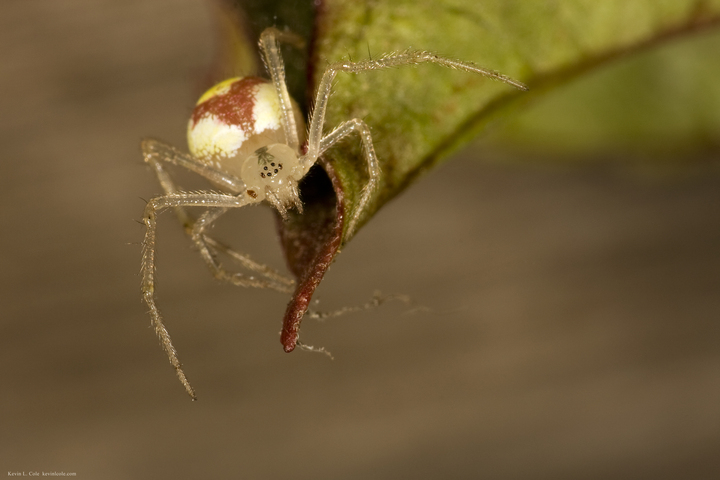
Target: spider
{"type": "Point", "coordinates": [246, 136]}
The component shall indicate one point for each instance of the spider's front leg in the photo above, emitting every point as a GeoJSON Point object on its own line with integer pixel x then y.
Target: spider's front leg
{"type": "Point", "coordinates": [269, 45]}
{"type": "Point", "coordinates": [148, 272]}
{"type": "Point", "coordinates": [373, 167]}
{"type": "Point", "coordinates": [317, 143]}
{"type": "Point", "coordinates": [157, 153]}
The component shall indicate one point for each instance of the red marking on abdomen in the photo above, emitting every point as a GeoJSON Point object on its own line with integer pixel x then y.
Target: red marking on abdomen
{"type": "Point", "coordinates": [234, 107]}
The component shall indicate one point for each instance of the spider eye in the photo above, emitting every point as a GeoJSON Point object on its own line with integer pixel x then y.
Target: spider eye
{"type": "Point", "coordinates": [264, 169]}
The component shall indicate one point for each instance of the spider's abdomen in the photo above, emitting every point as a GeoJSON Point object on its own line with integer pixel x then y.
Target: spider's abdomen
{"type": "Point", "coordinates": [233, 119]}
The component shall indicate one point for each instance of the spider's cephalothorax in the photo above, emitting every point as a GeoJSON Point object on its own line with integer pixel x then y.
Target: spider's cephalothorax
{"type": "Point", "coordinates": [245, 137]}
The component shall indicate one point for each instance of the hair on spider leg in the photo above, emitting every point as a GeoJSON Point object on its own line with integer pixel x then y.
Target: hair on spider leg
{"type": "Point", "coordinates": [376, 301]}
{"type": "Point", "coordinates": [277, 281]}
{"type": "Point", "coordinates": [311, 349]}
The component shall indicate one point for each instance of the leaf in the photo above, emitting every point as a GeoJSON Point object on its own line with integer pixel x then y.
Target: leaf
{"type": "Point", "coordinates": [658, 111]}
{"type": "Point", "coordinates": [418, 115]}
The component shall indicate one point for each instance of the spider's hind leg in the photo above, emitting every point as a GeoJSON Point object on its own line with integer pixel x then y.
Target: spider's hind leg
{"type": "Point", "coordinates": [377, 300]}
{"type": "Point", "coordinates": [269, 277]}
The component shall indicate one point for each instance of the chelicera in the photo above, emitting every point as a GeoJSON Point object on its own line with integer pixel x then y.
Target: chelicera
{"type": "Point", "coordinates": [247, 137]}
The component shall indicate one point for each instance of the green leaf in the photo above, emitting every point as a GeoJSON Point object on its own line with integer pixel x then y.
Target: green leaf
{"type": "Point", "coordinates": [418, 115]}
{"type": "Point", "coordinates": [658, 111]}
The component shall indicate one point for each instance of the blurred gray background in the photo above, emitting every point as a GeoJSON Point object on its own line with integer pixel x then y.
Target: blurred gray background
{"type": "Point", "coordinates": [572, 315]}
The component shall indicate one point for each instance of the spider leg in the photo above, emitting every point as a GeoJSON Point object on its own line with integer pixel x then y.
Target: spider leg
{"type": "Point", "coordinates": [317, 143]}
{"type": "Point", "coordinates": [155, 153]}
{"type": "Point", "coordinates": [154, 206]}
{"type": "Point", "coordinates": [377, 300]}
{"type": "Point", "coordinates": [272, 279]}
{"type": "Point", "coordinates": [343, 130]}
{"type": "Point", "coordinates": [270, 48]}
{"type": "Point", "coordinates": [394, 60]}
